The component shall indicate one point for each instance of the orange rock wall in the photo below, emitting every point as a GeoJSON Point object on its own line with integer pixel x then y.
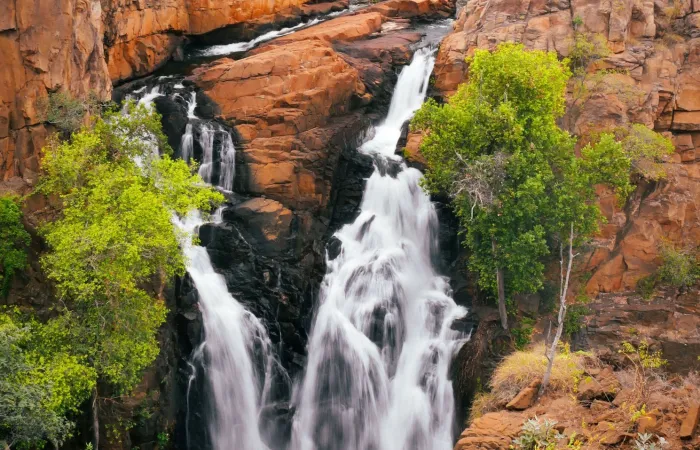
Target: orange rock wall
{"type": "Point", "coordinates": [140, 35]}
{"type": "Point", "coordinates": [45, 45]}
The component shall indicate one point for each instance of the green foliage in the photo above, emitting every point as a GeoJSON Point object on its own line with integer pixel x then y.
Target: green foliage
{"type": "Point", "coordinates": [645, 441]}
{"type": "Point", "coordinates": [680, 269]}
{"type": "Point", "coordinates": [646, 150]}
{"type": "Point", "coordinates": [163, 439]}
{"type": "Point", "coordinates": [66, 112]}
{"type": "Point", "coordinates": [577, 22]}
{"type": "Point", "coordinates": [115, 236]}
{"type": "Point", "coordinates": [522, 335]}
{"type": "Point", "coordinates": [516, 183]}
{"type": "Point", "coordinates": [586, 47]}
{"type": "Point", "coordinates": [608, 159]}
{"type": "Point", "coordinates": [574, 317]}
{"type": "Point", "coordinates": [37, 388]}
{"type": "Point", "coordinates": [643, 355]}
{"type": "Point", "coordinates": [13, 242]}
{"type": "Point", "coordinates": [536, 435]}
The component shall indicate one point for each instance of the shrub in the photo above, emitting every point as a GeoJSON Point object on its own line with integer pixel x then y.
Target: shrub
{"type": "Point", "coordinates": [647, 150]}
{"type": "Point", "coordinates": [537, 435]}
{"type": "Point", "coordinates": [13, 242]}
{"type": "Point", "coordinates": [679, 269]}
{"type": "Point", "coordinates": [518, 370]}
{"type": "Point", "coordinates": [523, 334]}
{"type": "Point", "coordinates": [586, 48]}
{"type": "Point", "coordinates": [647, 286]}
{"type": "Point", "coordinates": [66, 112]}
{"type": "Point", "coordinates": [645, 441]}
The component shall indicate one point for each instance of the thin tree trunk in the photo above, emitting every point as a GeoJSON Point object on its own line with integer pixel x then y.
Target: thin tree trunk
{"type": "Point", "coordinates": [501, 290]}
{"type": "Point", "coordinates": [564, 287]}
{"type": "Point", "coordinates": [95, 421]}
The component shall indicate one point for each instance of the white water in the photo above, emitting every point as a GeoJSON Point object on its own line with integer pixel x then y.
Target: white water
{"type": "Point", "coordinates": [236, 354]}
{"type": "Point", "coordinates": [192, 105]}
{"type": "Point", "coordinates": [236, 343]}
{"type": "Point", "coordinates": [413, 81]}
{"type": "Point", "coordinates": [228, 162]}
{"type": "Point", "coordinates": [187, 143]}
{"type": "Point", "coordinates": [236, 47]}
{"type": "Point", "coordinates": [381, 344]}
{"type": "Point", "coordinates": [206, 141]}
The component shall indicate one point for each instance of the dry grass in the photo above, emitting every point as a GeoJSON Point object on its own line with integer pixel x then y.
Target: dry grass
{"type": "Point", "coordinates": [520, 368]}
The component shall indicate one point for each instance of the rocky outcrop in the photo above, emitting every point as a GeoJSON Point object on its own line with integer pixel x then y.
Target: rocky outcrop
{"type": "Point", "coordinates": [45, 46]}
{"type": "Point", "coordinates": [141, 36]}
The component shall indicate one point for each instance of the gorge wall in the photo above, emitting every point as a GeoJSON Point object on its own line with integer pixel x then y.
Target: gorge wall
{"type": "Point", "coordinates": [84, 46]}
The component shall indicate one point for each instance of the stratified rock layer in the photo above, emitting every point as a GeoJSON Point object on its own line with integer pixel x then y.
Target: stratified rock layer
{"type": "Point", "coordinates": [45, 45]}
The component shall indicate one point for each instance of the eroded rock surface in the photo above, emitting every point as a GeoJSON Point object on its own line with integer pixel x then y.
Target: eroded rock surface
{"type": "Point", "coordinates": [45, 45]}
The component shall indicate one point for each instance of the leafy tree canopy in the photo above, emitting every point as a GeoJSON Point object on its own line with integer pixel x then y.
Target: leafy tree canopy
{"type": "Point", "coordinates": [115, 238]}
{"type": "Point", "coordinates": [497, 138]}
{"type": "Point", "coordinates": [13, 242]}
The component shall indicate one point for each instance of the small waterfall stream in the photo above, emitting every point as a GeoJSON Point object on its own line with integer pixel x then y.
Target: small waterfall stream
{"type": "Point", "coordinates": [382, 342]}
{"type": "Point", "coordinates": [240, 361]}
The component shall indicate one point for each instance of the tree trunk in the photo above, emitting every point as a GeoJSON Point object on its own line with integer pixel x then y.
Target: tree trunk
{"type": "Point", "coordinates": [564, 283]}
{"type": "Point", "coordinates": [95, 421]}
{"type": "Point", "coordinates": [501, 290]}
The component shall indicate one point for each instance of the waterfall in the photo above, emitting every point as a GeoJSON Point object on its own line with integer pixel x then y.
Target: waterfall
{"type": "Point", "coordinates": [239, 356]}
{"type": "Point", "coordinates": [382, 342]}
{"type": "Point", "coordinates": [187, 143]}
{"type": "Point", "coordinates": [192, 105]}
{"type": "Point", "coordinates": [206, 141]}
{"type": "Point", "coordinates": [228, 162]}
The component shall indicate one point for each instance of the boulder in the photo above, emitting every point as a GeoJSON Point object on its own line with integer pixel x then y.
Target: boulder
{"type": "Point", "coordinates": [526, 397]}
{"type": "Point", "coordinates": [492, 431]}
{"type": "Point", "coordinates": [604, 386]}
{"type": "Point", "coordinates": [690, 422]}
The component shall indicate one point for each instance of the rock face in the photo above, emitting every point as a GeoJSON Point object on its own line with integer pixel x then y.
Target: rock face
{"type": "Point", "coordinates": [141, 36]}
{"type": "Point", "coordinates": [45, 46]}
{"type": "Point", "coordinates": [651, 78]}
{"type": "Point", "coordinates": [83, 46]}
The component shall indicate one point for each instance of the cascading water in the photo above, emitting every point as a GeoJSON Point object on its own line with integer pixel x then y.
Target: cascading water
{"type": "Point", "coordinates": [228, 163]}
{"type": "Point", "coordinates": [382, 339]}
{"type": "Point", "coordinates": [239, 357]}
{"type": "Point", "coordinates": [206, 141]}
{"type": "Point", "coordinates": [187, 143]}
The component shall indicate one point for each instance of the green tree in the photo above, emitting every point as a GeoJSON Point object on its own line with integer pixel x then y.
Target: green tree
{"type": "Point", "coordinates": [516, 183]}
{"type": "Point", "coordinates": [38, 388]}
{"type": "Point", "coordinates": [13, 242]}
{"type": "Point", "coordinates": [114, 246]}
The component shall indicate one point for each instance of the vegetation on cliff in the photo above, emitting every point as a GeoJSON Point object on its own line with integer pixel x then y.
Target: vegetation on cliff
{"type": "Point", "coordinates": [112, 250]}
{"type": "Point", "coordinates": [517, 184]}
{"type": "Point", "coordinates": [13, 242]}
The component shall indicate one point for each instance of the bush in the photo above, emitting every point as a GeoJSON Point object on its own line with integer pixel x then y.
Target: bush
{"type": "Point", "coordinates": [13, 242]}
{"type": "Point", "coordinates": [645, 441]}
{"type": "Point", "coordinates": [66, 112]}
{"type": "Point", "coordinates": [586, 48]}
{"type": "Point", "coordinates": [679, 269]}
{"type": "Point", "coordinates": [523, 334]}
{"type": "Point", "coordinates": [647, 150]}
{"type": "Point", "coordinates": [520, 368]}
{"type": "Point", "coordinates": [537, 435]}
